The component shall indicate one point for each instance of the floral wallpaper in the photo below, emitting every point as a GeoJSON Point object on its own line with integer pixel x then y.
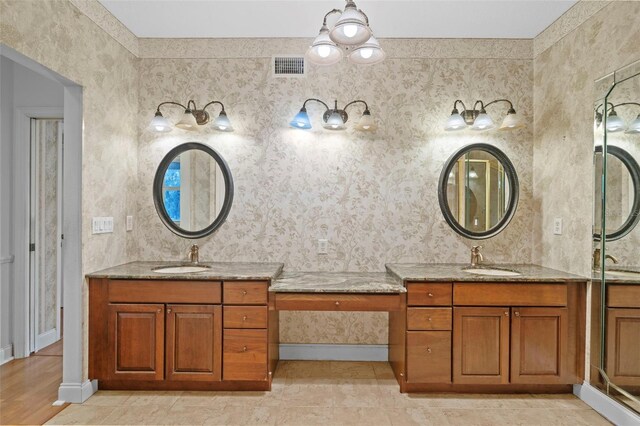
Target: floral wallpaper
{"type": "Point", "coordinates": [563, 119]}
{"type": "Point", "coordinates": [373, 196]}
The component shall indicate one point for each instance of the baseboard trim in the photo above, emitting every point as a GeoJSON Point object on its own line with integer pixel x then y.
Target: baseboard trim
{"type": "Point", "coordinates": [327, 352]}
{"type": "Point", "coordinates": [45, 339]}
{"type": "Point", "coordinates": [77, 392]}
{"type": "Point", "coordinates": [608, 407]}
{"type": "Point", "coordinates": [6, 354]}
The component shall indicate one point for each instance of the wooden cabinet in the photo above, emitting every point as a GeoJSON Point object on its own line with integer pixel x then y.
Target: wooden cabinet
{"type": "Point", "coordinates": [429, 356]}
{"type": "Point", "coordinates": [623, 355]}
{"type": "Point", "coordinates": [245, 355]}
{"type": "Point", "coordinates": [194, 342]}
{"type": "Point", "coordinates": [135, 342]}
{"type": "Point", "coordinates": [481, 345]}
{"type": "Point", "coordinates": [539, 340]}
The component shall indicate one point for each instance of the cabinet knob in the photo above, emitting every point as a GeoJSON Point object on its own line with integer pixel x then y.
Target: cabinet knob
{"type": "Point", "coordinates": [401, 374]}
{"type": "Point", "coordinates": [337, 303]}
{"type": "Point", "coordinates": [244, 349]}
{"type": "Point", "coordinates": [244, 318]}
{"type": "Point", "coordinates": [516, 313]}
{"type": "Point", "coordinates": [506, 314]}
{"type": "Point", "coordinates": [429, 350]}
{"type": "Point", "coordinates": [430, 294]}
{"type": "Point", "coordinates": [429, 319]}
{"type": "Point", "coordinates": [244, 292]}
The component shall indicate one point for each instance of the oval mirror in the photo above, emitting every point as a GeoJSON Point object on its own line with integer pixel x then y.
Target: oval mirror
{"type": "Point", "coordinates": [623, 193]}
{"type": "Point", "coordinates": [478, 191]}
{"type": "Point", "coordinates": [193, 190]}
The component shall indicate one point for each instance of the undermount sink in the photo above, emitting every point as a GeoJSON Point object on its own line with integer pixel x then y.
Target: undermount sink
{"type": "Point", "coordinates": [492, 271]}
{"type": "Point", "coordinates": [181, 269]}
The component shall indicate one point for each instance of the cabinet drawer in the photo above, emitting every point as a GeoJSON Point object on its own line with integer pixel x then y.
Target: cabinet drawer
{"type": "Point", "coordinates": [623, 296]}
{"type": "Point", "coordinates": [245, 317]}
{"type": "Point", "coordinates": [337, 302]}
{"type": "Point", "coordinates": [161, 291]}
{"type": "Point", "coordinates": [244, 355]}
{"type": "Point", "coordinates": [429, 318]}
{"type": "Point", "coordinates": [429, 357]}
{"type": "Point", "coordinates": [245, 293]}
{"type": "Point", "coordinates": [509, 294]}
{"type": "Point", "coordinates": [429, 294]}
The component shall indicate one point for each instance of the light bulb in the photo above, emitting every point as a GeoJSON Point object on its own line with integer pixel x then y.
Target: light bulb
{"type": "Point", "coordinates": [222, 123]}
{"type": "Point", "coordinates": [324, 51]}
{"type": "Point", "coordinates": [614, 123]}
{"type": "Point", "coordinates": [350, 30]}
{"type": "Point", "coordinates": [634, 127]}
{"type": "Point", "coordinates": [334, 121]}
{"type": "Point", "coordinates": [455, 122]}
{"type": "Point", "coordinates": [301, 120]}
{"type": "Point", "coordinates": [160, 124]}
{"type": "Point", "coordinates": [482, 122]}
{"type": "Point", "coordinates": [366, 53]}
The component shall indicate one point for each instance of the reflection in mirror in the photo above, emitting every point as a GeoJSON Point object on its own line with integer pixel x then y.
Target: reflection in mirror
{"type": "Point", "coordinates": [615, 326]}
{"type": "Point", "coordinates": [478, 191]}
{"type": "Point", "coordinates": [193, 190]}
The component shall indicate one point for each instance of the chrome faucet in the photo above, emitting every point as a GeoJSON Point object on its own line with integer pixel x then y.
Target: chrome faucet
{"type": "Point", "coordinates": [596, 258]}
{"type": "Point", "coordinates": [193, 255]}
{"type": "Point", "coordinates": [476, 256]}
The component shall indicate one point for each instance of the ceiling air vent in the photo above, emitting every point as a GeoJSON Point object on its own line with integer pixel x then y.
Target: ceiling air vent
{"type": "Point", "coordinates": [288, 66]}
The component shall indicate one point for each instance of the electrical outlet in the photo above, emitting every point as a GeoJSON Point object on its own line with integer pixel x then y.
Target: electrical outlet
{"type": "Point", "coordinates": [102, 225]}
{"type": "Point", "coordinates": [323, 246]}
{"type": "Point", "coordinates": [129, 223]}
{"type": "Point", "coordinates": [557, 226]}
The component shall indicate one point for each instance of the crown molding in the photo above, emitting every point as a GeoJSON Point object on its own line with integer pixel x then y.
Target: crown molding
{"type": "Point", "coordinates": [569, 21]}
{"type": "Point", "coordinates": [95, 11]}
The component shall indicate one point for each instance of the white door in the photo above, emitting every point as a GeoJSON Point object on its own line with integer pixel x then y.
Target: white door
{"type": "Point", "coordinates": [45, 232]}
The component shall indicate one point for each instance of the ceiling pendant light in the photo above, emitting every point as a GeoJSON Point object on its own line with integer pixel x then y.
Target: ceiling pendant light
{"type": "Point", "coordinates": [191, 119]}
{"type": "Point", "coordinates": [334, 118]}
{"type": "Point", "coordinates": [478, 119]}
{"type": "Point", "coordinates": [368, 53]}
{"type": "Point", "coordinates": [350, 33]}
{"type": "Point", "coordinates": [352, 28]}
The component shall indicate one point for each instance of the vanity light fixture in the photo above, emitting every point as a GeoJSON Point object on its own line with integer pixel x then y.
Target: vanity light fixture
{"type": "Point", "coordinates": [616, 124]}
{"type": "Point", "coordinates": [334, 118]}
{"type": "Point", "coordinates": [350, 34]}
{"type": "Point", "coordinates": [478, 118]}
{"type": "Point", "coordinates": [191, 118]}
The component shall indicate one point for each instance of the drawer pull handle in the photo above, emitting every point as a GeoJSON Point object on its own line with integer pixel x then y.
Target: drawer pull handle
{"type": "Point", "coordinates": [506, 314]}
{"type": "Point", "coordinates": [428, 350]}
{"type": "Point", "coordinates": [430, 294]}
{"type": "Point", "coordinates": [429, 319]}
{"type": "Point", "coordinates": [337, 303]}
{"type": "Point", "coordinates": [244, 349]}
{"type": "Point", "coordinates": [244, 292]}
{"type": "Point", "coordinates": [517, 313]}
{"type": "Point", "coordinates": [244, 318]}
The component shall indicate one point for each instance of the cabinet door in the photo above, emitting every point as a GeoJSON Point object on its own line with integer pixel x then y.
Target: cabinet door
{"type": "Point", "coordinates": [428, 356]}
{"type": "Point", "coordinates": [539, 345]}
{"type": "Point", "coordinates": [623, 355]}
{"type": "Point", "coordinates": [194, 340]}
{"type": "Point", "coordinates": [136, 342]}
{"type": "Point", "coordinates": [481, 345]}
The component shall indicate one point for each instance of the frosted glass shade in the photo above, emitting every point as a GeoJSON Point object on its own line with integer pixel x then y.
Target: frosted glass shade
{"type": "Point", "coordinates": [482, 122]}
{"type": "Point", "coordinates": [366, 123]}
{"type": "Point", "coordinates": [614, 123]}
{"type": "Point", "coordinates": [334, 122]}
{"type": "Point", "coordinates": [188, 121]}
{"type": "Point", "coordinates": [351, 29]}
{"type": "Point", "coordinates": [634, 127]}
{"type": "Point", "coordinates": [222, 123]}
{"type": "Point", "coordinates": [160, 124]}
{"type": "Point", "coordinates": [455, 122]}
{"type": "Point", "coordinates": [323, 51]}
{"type": "Point", "coordinates": [511, 121]}
{"type": "Point", "coordinates": [301, 120]}
{"type": "Point", "coordinates": [368, 54]}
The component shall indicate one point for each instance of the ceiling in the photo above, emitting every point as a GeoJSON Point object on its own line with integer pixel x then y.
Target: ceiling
{"type": "Point", "coordinates": [302, 18]}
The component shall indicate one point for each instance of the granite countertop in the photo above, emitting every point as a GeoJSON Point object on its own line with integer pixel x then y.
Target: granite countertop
{"type": "Point", "coordinates": [619, 275]}
{"type": "Point", "coordinates": [337, 282]}
{"type": "Point", "coordinates": [217, 271]}
{"type": "Point", "coordinates": [448, 272]}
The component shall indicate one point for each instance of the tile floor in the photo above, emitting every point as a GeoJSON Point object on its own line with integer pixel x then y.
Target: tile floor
{"type": "Point", "coordinates": [335, 393]}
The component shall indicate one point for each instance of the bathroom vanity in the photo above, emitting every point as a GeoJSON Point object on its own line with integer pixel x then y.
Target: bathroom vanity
{"type": "Point", "coordinates": [488, 333]}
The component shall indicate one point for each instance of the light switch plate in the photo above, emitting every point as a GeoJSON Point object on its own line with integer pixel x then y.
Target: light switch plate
{"type": "Point", "coordinates": [323, 246]}
{"type": "Point", "coordinates": [129, 223]}
{"type": "Point", "coordinates": [557, 226]}
{"type": "Point", "coordinates": [102, 225]}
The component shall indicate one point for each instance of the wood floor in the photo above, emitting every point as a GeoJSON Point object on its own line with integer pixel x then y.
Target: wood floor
{"type": "Point", "coordinates": [29, 386]}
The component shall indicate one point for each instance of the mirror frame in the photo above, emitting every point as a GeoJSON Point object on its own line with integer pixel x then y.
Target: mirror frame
{"type": "Point", "coordinates": [158, 183]}
{"type": "Point", "coordinates": [513, 199]}
{"type": "Point", "coordinates": [634, 171]}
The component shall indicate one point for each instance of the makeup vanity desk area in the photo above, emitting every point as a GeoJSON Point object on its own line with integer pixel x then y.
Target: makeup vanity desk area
{"type": "Point", "coordinates": [448, 330]}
